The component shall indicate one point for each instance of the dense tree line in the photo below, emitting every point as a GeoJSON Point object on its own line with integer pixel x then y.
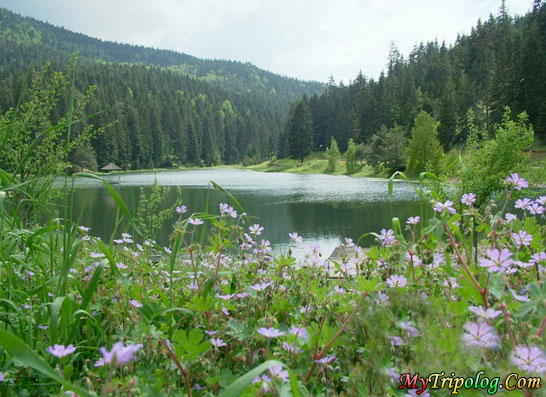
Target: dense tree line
{"type": "Point", "coordinates": [502, 62]}
{"type": "Point", "coordinates": [162, 108]}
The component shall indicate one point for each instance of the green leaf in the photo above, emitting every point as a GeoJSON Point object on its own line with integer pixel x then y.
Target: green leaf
{"type": "Point", "coordinates": [20, 350]}
{"type": "Point", "coordinates": [240, 384]}
{"type": "Point", "coordinates": [191, 342]}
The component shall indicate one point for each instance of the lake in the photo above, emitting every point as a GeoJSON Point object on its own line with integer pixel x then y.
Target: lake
{"type": "Point", "coordinates": [323, 209]}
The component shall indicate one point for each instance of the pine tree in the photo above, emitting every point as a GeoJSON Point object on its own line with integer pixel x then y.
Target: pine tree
{"type": "Point", "coordinates": [300, 131]}
{"type": "Point", "coordinates": [424, 152]}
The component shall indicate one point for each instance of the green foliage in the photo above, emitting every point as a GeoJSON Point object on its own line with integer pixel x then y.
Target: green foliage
{"type": "Point", "coordinates": [333, 155]}
{"type": "Point", "coordinates": [299, 131]}
{"type": "Point", "coordinates": [388, 148]}
{"type": "Point", "coordinates": [486, 163]}
{"type": "Point", "coordinates": [424, 150]}
{"type": "Point", "coordinates": [351, 157]}
{"type": "Point", "coordinates": [150, 218]}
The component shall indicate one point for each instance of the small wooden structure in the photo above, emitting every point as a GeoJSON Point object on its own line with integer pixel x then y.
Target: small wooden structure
{"type": "Point", "coordinates": [110, 167]}
{"type": "Point", "coordinates": [340, 254]}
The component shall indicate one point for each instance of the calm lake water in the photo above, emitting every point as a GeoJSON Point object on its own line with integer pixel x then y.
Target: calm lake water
{"type": "Point", "coordinates": [323, 209]}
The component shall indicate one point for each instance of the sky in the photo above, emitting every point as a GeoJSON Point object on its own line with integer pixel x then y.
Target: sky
{"type": "Point", "coordinates": [306, 39]}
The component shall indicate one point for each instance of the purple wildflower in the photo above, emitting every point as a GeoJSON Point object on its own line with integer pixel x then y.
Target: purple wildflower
{"type": "Point", "coordinates": [256, 229]}
{"type": "Point", "coordinates": [395, 281]}
{"type": "Point", "coordinates": [60, 350]}
{"type": "Point", "coordinates": [260, 286]}
{"type": "Point", "coordinates": [521, 298]}
{"type": "Point", "coordinates": [498, 261]}
{"type": "Point", "coordinates": [217, 342]}
{"type": "Point", "coordinates": [516, 181]}
{"type": "Point", "coordinates": [510, 217]}
{"type": "Point", "coordinates": [413, 220]}
{"type": "Point", "coordinates": [536, 209]}
{"type": "Point", "coordinates": [523, 204]}
{"type": "Point", "coordinates": [386, 237]}
{"type": "Point", "coordinates": [2, 378]}
{"type": "Point", "coordinates": [529, 359]}
{"type": "Point", "coordinates": [195, 221]}
{"type": "Point", "coordinates": [96, 255]}
{"type": "Point", "coordinates": [410, 329]}
{"type": "Point", "coordinates": [295, 237]}
{"type": "Point", "coordinates": [522, 238]}
{"type": "Point", "coordinates": [135, 303]}
{"type": "Point", "coordinates": [277, 372]}
{"type": "Point", "coordinates": [291, 347]}
{"type": "Point", "coordinates": [487, 314]}
{"type": "Point", "coordinates": [210, 333]}
{"type": "Point", "coordinates": [468, 198]}
{"type": "Point", "coordinates": [182, 209]}
{"type": "Point", "coordinates": [300, 332]}
{"type": "Point", "coordinates": [270, 332]}
{"type": "Point", "coordinates": [397, 341]}
{"type": "Point", "coordinates": [382, 299]}
{"type": "Point", "coordinates": [480, 334]}
{"type": "Point", "coordinates": [395, 376]}
{"type": "Point", "coordinates": [84, 229]}
{"type": "Point", "coordinates": [119, 354]}
{"type": "Point", "coordinates": [541, 200]}
{"type": "Point", "coordinates": [450, 282]}
{"type": "Point", "coordinates": [447, 205]}
{"type": "Point", "coordinates": [327, 360]}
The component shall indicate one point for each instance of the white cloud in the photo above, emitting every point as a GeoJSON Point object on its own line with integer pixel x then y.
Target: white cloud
{"type": "Point", "coordinates": [308, 39]}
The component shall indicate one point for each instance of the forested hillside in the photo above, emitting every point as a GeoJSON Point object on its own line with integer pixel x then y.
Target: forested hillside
{"type": "Point", "coordinates": [163, 108]}
{"type": "Point", "coordinates": [502, 62]}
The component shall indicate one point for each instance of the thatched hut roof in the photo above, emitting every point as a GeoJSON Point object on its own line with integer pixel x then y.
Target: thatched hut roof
{"type": "Point", "coordinates": [110, 167]}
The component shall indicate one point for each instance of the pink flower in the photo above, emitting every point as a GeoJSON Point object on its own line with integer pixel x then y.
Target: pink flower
{"type": "Point", "coordinates": [413, 220]}
{"type": "Point", "coordinates": [498, 261]}
{"type": "Point", "coordinates": [395, 281]}
{"type": "Point", "coordinates": [277, 372]}
{"type": "Point", "coordinates": [524, 204]}
{"type": "Point", "coordinates": [327, 360]}
{"type": "Point", "coordinates": [182, 209]}
{"type": "Point", "coordinates": [480, 334]}
{"type": "Point", "coordinates": [536, 209]}
{"type": "Point", "coordinates": [60, 350]}
{"type": "Point", "coordinates": [468, 199]}
{"type": "Point", "coordinates": [195, 222]}
{"type": "Point", "coordinates": [487, 314]}
{"type": "Point", "coordinates": [135, 303]}
{"type": "Point", "coordinates": [295, 238]}
{"type": "Point", "coordinates": [522, 238]}
{"type": "Point", "coordinates": [256, 229]}
{"type": "Point", "coordinates": [510, 217]}
{"type": "Point", "coordinates": [516, 181]}
{"type": "Point", "coordinates": [447, 205]}
{"type": "Point", "coordinates": [217, 342]}
{"type": "Point", "coordinates": [119, 355]}
{"type": "Point", "coordinates": [529, 359]}
{"type": "Point", "coordinates": [270, 332]}
{"type": "Point", "coordinates": [386, 237]}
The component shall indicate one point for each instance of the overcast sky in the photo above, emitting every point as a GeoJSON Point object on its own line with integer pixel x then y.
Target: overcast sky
{"type": "Point", "coordinates": [310, 39]}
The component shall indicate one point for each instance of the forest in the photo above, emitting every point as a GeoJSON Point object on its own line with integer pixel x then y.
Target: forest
{"type": "Point", "coordinates": [501, 62]}
{"type": "Point", "coordinates": [158, 108]}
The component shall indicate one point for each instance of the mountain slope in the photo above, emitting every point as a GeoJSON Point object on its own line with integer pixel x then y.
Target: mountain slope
{"type": "Point", "coordinates": [169, 108]}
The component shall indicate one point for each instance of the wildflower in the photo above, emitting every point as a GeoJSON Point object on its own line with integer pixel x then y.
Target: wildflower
{"type": "Point", "coordinates": [410, 329]}
{"type": "Point", "coordinates": [195, 222]}
{"type": "Point", "coordinates": [2, 378]}
{"type": "Point", "coordinates": [295, 237]}
{"type": "Point", "coordinates": [498, 261]}
{"type": "Point", "coordinates": [510, 217]}
{"type": "Point", "coordinates": [60, 350]}
{"type": "Point", "coordinates": [300, 332]}
{"type": "Point", "coordinates": [225, 297]}
{"type": "Point", "coordinates": [225, 311]}
{"type": "Point", "coordinates": [119, 355]}
{"type": "Point", "coordinates": [413, 220]}
{"type": "Point", "coordinates": [181, 209]}
{"type": "Point", "coordinates": [264, 382]}
{"type": "Point", "coordinates": [536, 209]}
{"type": "Point", "coordinates": [260, 286]}
{"type": "Point", "coordinates": [487, 314]}
{"type": "Point", "coordinates": [84, 229]}
{"type": "Point", "coordinates": [386, 237]}
{"type": "Point", "coordinates": [541, 200]}
{"type": "Point", "coordinates": [96, 255]}
{"type": "Point", "coordinates": [395, 281]}
{"type": "Point", "coordinates": [118, 241]}
{"type": "Point", "coordinates": [349, 242]}
{"type": "Point", "coordinates": [480, 334]}
{"type": "Point", "coordinates": [438, 259]}
{"type": "Point", "coordinates": [277, 372]}
{"type": "Point", "coordinates": [397, 341]}
{"type": "Point", "coordinates": [522, 238]}
{"type": "Point", "coordinates": [411, 257]}
{"type": "Point", "coordinates": [291, 347]}
{"type": "Point", "coordinates": [395, 376]}
{"type": "Point", "coordinates": [217, 342]}
{"type": "Point", "coordinates": [211, 333]}
{"type": "Point", "coordinates": [540, 257]}
{"type": "Point", "coordinates": [413, 393]}
{"type": "Point", "coordinates": [270, 332]}
{"type": "Point", "coordinates": [521, 298]}
{"type": "Point", "coordinates": [529, 359]}
{"type": "Point", "coordinates": [337, 288]}
{"type": "Point", "coordinates": [382, 299]}
{"type": "Point", "coordinates": [523, 204]}
{"type": "Point", "coordinates": [468, 198]}
{"type": "Point", "coordinates": [256, 229]}
{"type": "Point", "coordinates": [227, 210]}
{"type": "Point", "coordinates": [447, 205]}
{"type": "Point", "coordinates": [516, 181]}
{"type": "Point", "coordinates": [43, 326]}
{"type": "Point", "coordinates": [199, 387]}
{"type": "Point", "coordinates": [327, 360]}
{"type": "Point", "coordinates": [135, 303]}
